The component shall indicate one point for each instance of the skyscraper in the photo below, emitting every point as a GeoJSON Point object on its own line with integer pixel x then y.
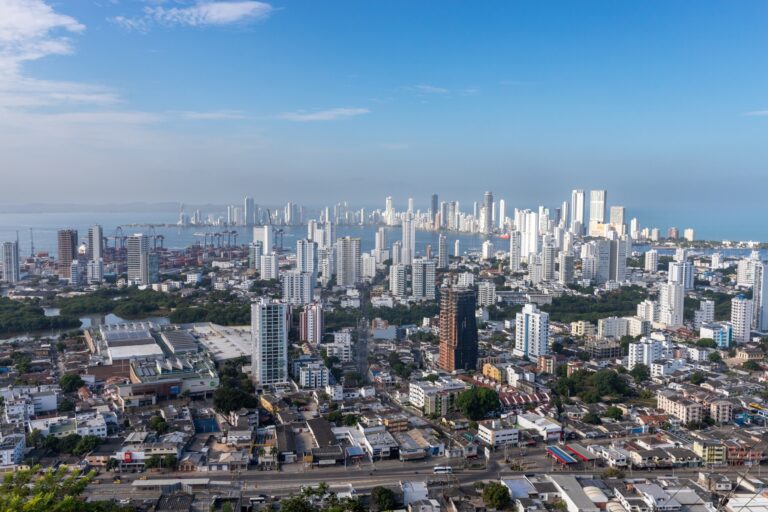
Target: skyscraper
{"type": "Point", "coordinates": [618, 265]}
{"type": "Point", "coordinates": [249, 211]}
{"type": "Point", "coordinates": [434, 208]}
{"type": "Point", "coordinates": [423, 276]}
{"type": "Point", "coordinates": [397, 280]}
{"type": "Point", "coordinates": [311, 324]}
{"type": "Point", "coordinates": [515, 251]}
{"type": "Point", "coordinates": [548, 253]}
{"type": "Point", "coordinates": [409, 241]}
{"type": "Point", "coordinates": [487, 226]}
{"type": "Point", "coordinates": [297, 287]}
{"type": "Point", "coordinates": [760, 297]}
{"type": "Point", "coordinates": [597, 199]}
{"type": "Point", "coordinates": [671, 299]}
{"type": "Point", "coordinates": [348, 261]}
{"type": "Point", "coordinates": [138, 259]}
{"type": "Point", "coordinates": [458, 330]}
{"type": "Point", "coordinates": [577, 210]}
{"type": "Point", "coordinates": [306, 258]}
{"type": "Point", "coordinates": [442, 251]}
{"type": "Point", "coordinates": [652, 261]}
{"type": "Point", "coordinates": [67, 239]}
{"type": "Point", "coordinates": [269, 341]}
{"type": "Point", "coordinates": [9, 257]}
{"type": "Point", "coordinates": [502, 216]}
{"type": "Point", "coordinates": [617, 219]}
{"type": "Point", "coordinates": [95, 243]}
{"type": "Point", "coordinates": [380, 246]}
{"type": "Point", "coordinates": [741, 319]}
{"type": "Point", "coordinates": [531, 332]}
{"type": "Point", "coordinates": [565, 268]}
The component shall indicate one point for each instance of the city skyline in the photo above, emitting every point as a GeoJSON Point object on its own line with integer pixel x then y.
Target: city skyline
{"type": "Point", "coordinates": [144, 96]}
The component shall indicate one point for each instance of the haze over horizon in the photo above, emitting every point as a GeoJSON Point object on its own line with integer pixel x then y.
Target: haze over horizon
{"type": "Point", "coordinates": [206, 101]}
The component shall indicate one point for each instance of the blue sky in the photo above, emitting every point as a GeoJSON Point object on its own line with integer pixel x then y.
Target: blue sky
{"type": "Point", "coordinates": [664, 103]}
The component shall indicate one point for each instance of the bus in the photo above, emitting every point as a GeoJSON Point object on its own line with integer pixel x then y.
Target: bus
{"type": "Point", "coordinates": [442, 470]}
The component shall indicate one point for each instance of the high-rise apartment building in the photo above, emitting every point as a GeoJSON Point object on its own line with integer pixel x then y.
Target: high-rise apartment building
{"type": "Point", "coordinates": [348, 261]}
{"type": "Point", "coordinates": [423, 279]}
{"type": "Point", "coordinates": [515, 251]}
{"type": "Point", "coordinates": [652, 261]}
{"type": "Point", "coordinates": [531, 332]}
{"type": "Point", "coordinates": [311, 324]}
{"type": "Point", "coordinates": [671, 300]}
{"type": "Point", "coordinates": [137, 246]}
{"type": "Point", "coordinates": [409, 241]}
{"type": "Point", "coordinates": [95, 243]}
{"type": "Point", "coordinates": [577, 211]}
{"type": "Point", "coordinates": [9, 257]}
{"type": "Point", "coordinates": [458, 330]}
{"type": "Point", "coordinates": [741, 319]}
{"type": "Point", "coordinates": [306, 258]}
{"type": "Point", "coordinates": [67, 251]}
{"type": "Point", "coordinates": [397, 280]}
{"type": "Point", "coordinates": [297, 287]}
{"type": "Point", "coordinates": [442, 251]}
{"type": "Point", "coordinates": [269, 341]}
{"type": "Point", "coordinates": [565, 268]}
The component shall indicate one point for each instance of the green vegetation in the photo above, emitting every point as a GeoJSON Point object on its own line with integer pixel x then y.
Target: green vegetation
{"type": "Point", "coordinates": [706, 343]}
{"type": "Point", "coordinates": [319, 499]}
{"type": "Point", "coordinates": [751, 366]}
{"type": "Point", "coordinates": [496, 495]}
{"type": "Point", "coordinates": [72, 444]}
{"type": "Point", "coordinates": [236, 389]}
{"type": "Point", "coordinates": [158, 424]}
{"type": "Point", "coordinates": [398, 367]}
{"type": "Point", "coordinates": [126, 303]}
{"type": "Point", "coordinates": [55, 491]}
{"type": "Point", "coordinates": [383, 498]}
{"type": "Point", "coordinates": [697, 378]}
{"type": "Point", "coordinates": [156, 461]}
{"type": "Point", "coordinates": [614, 413]}
{"type": "Point", "coordinates": [476, 403]}
{"type": "Point", "coordinates": [640, 373]}
{"type": "Point", "coordinates": [70, 383]}
{"type": "Point", "coordinates": [500, 312]}
{"type": "Point", "coordinates": [404, 315]}
{"type": "Point", "coordinates": [714, 357]}
{"type": "Point", "coordinates": [612, 473]}
{"type": "Point", "coordinates": [220, 308]}
{"type": "Point", "coordinates": [591, 419]}
{"type": "Point", "coordinates": [572, 308]}
{"type": "Point", "coordinates": [592, 387]}
{"type": "Point", "coordinates": [22, 316]}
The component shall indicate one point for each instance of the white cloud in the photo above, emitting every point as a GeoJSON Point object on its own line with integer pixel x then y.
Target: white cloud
{"type": "Point", "coordinates": [333, 114]}
{"type": "Point", "coordinates": [757, 113]}
{"type": "Point", "coordinates": [200, 14]}
{"type": "Point", "coordinates": [431, 89]}
{"type": "Point", "coordinates": [30, 30]}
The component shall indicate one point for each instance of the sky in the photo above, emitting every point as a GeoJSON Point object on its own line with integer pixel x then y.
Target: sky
{"type": "Point", "coordinates": [664, 103]}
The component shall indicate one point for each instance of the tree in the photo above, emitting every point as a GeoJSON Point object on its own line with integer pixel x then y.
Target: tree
{"type": "Point", "coordinates": [614, 412]}
{"type": "Point", "coordinates": [697, 378]}
{"type": "Point", "coordinates": [496, 495]}
{"type": "Point", "coordinates": [153, 461]}
{"type": "Point", "coordinates": [35, 439]}
{"type": "Point", "coordinates": [432, 377]}
{"type": "Point", "coordinates": [714, 357]}
{"type": "Point", "coordinates": [66, 405]}
{"type": "Point", "coordinates": [297, 504]}
{"type": "Point", "coordinates": [591, 419]}
{"type": "Point", "coordinates": [476, 403]}
{"type": "Point", "coordinates": [70, 383]}
{"type": "Point", "coordinates": [640, 373]}
{"type": "Point", "coordinates": [612, 473]}
{"type": "Point", "coordinates": [706, 343]}
{"type": "Point", "coordinates": [158, 424]}
{"type": "Point", "coordinates": [86, 444]}
{"type": "Point", "coordinates": [382, 498]}
{"type": "Point", "coordinates": [751, 366]}
{"type": "Point", "coordinates": [55, 491]}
